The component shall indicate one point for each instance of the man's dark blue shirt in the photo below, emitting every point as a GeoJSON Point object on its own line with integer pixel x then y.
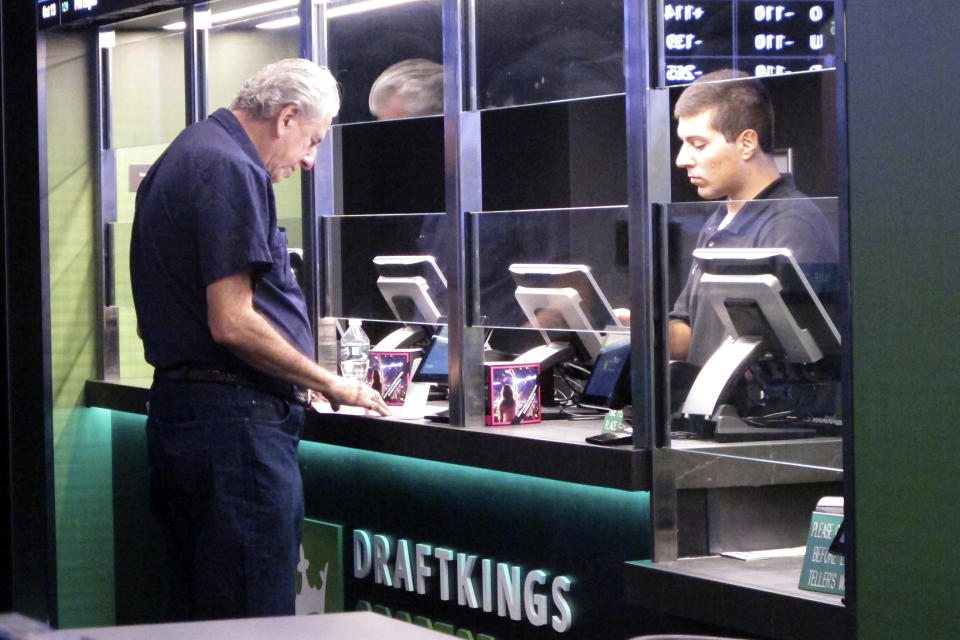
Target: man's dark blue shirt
{"type": "Point", "coordinates": [205, 211]}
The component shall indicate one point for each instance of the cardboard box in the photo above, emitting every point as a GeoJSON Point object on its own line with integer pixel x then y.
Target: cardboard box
{"type": "Point", "coordinates": [513, 394]}
{"type": "Point", "coordinates": [389, 373]}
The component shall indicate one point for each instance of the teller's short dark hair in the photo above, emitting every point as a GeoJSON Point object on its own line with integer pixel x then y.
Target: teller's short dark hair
{"type": "Point", "coordinates": [738, 101]}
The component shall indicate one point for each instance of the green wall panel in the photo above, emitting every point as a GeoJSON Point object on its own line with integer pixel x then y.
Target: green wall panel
{"type": "Point", "coordinates": [71, 182]}
{"type": "Point", "coordinates": [906, 315]}
{"type": "Point", "coordinates": [82, 466]}
{"type": "Point", "coordinates": [148, 111]}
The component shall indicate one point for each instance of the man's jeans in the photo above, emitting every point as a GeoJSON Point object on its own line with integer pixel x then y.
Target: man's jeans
{"type": "Point", "coordinates": [226, 484]}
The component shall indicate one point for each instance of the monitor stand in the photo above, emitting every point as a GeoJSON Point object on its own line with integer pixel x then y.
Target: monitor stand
{"type": "Point", "coordinates": [403, 338]}
{"type": "Point", "coordinates": [717, 376]}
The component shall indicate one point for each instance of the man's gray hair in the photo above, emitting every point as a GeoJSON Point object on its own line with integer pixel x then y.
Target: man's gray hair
{"type": "Point", "coordinates": [418, 82]}
{"type": "Point", "coordinates": [302, 83]}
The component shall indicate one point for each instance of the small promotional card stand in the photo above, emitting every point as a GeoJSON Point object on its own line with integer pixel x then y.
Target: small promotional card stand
{"type": "Point", "coordinates": [824, 571]}
{"type": "Point", "coordinates": [389, 374]}
{"type": "Point", "coordinates": [513, 394]}
{"type": "Point", "coordinates": [415, 404]}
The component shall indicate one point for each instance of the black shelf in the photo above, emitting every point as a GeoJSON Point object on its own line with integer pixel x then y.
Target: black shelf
{"type": "Point", "coordinates": [753, 596]}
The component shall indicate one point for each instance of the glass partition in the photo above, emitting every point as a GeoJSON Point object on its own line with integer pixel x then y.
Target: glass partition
{"type": "Point", "coordinates": [546, 50]}
{"type": "Point", "coordinates": [762, 289]}
{"type": "Point", "coordinates": [592, 237]}
{"type": "Point", "coordinates": [371, 245]}
{"type": "Point", "coordinates": [386, 233]}
{"type": "Point", "coordinates": [392, 167]}
{"type": "Point", "coordinates": [567, 154]}
{"type": "Point", "coordinates": [398, 48]}
{"type": "Point", "coordinates": [551, 277]}
{"type": "Point", "coordinates": [547, 251]}
{"type": "Point", "coordinates": [147, 85]}
{"type": "Point", "coordinates": [242, 40]}
{"type": "Point", "coordinates": [804, 134]}
{"type": "Point", "coordinates": [553, 191]}
{"type": "Point", "coordinates": [147, 110]}
{"type": "Point", "coordinates": [763, 361]}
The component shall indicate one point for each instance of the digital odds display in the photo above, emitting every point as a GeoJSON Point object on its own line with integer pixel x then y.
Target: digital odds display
{"type": "Point", "coordinates": [760, 38]}
{"type": "Point", "coordinates": [55, 13]}
{"type": "Point", "coordinates": [699, 36]}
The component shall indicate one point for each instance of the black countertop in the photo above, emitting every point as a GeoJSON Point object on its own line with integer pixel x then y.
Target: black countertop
{"type": "Point", "coordinates": [552, 449]}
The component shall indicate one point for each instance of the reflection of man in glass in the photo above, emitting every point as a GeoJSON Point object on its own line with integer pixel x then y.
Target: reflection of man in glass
{"type": "Point", "coordinates": [407, 89]}
{"type": "Point", "coordinates": [725, 124]}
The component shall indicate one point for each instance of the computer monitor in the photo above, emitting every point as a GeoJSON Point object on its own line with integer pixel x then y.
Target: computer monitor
{"type": "Point", "coordinates": [608, 386]}
{"type": "Point", "coordinates": [434, 366]}
{"type": "Point", "coordinates": [564, 297]}
{"type": "Point", "coordinates": [413, 286]}
{"type": "Point", "coordinates": [768, 309]}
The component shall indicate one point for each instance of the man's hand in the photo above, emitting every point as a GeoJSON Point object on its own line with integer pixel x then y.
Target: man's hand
{"type": "Point", "coordinates": [346, 391]}
{"type": "Point", "coordinates": [679, 335]}
{"type": "Point", "coordinates": [236, 325]}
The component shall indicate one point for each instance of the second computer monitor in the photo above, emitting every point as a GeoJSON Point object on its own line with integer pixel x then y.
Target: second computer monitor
{"type": "Point", "coordinates": [413, 286]}
{"type": "Point", "coordinates": [564, 297]}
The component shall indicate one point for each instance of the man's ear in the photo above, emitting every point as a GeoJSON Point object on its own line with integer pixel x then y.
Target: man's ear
{"type": "Point", "coordinates": [748, 143]}
{"type": "Point", "coordinates": [285, 118]}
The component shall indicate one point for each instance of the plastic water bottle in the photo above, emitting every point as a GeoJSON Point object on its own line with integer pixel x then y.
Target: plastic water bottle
{"type": "Point", "coordinates": [355, 352]}
{"type": "Point", "coordinates": [327, 348]}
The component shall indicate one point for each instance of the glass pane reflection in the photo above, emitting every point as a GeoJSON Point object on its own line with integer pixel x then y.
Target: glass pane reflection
{"type": "Point", "coordinates": [364, 44]}
{"type": "Point", "coordinates": [593, 240]}
{"type": "Point", "coordinates": [547, 50]}
{"type": "Point", "coordinates": [764, 355]}
{"type": "Point", "coordinates": [355, 290]}
{"type": "Point", "coordinates": [147, 97]}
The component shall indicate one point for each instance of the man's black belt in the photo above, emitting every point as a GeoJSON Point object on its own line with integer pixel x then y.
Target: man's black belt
{"type": "Point", "coordinates": [195, 373]}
